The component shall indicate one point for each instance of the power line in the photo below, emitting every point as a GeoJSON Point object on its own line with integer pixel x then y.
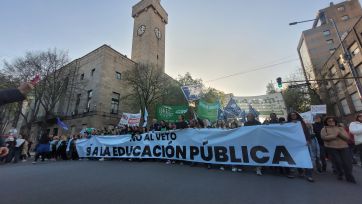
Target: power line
{"type": "Point", "coordinates": [253, 70]}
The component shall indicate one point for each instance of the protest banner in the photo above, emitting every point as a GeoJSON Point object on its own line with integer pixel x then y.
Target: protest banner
{"type": "Point", "coordinates": [263, 145]}
{"type": "Point", "coordinates": [170, 113]}
{"type": "Point", "coordinates": [208, 110]}
{"type": "Point", "coordinates": [318, 109]}
{"type": "Point", "coordinates": [263, 104]}
{"type": "Point", "coordinates": [130, 119]}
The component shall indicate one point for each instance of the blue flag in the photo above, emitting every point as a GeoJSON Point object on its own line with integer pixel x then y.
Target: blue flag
{"type": "Point", "coordinates": [232, 109]}
{"type": "Point", "coordinates": [221, 114]}
{"type": "Point", "coordinates": [253, 111]}
{"type": "Point", "coordinates": [192, 93]}
{"type": "Point", "coordinates": [62, 124]}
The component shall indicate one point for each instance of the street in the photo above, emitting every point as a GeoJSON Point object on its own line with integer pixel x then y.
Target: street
{"type": "Point", "coordinates": [155, 182]}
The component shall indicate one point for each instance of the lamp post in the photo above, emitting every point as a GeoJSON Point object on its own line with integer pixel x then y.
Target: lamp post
{"type": "Point", "coordinates": [346, 56]}
{"type": "Point", "coordinates": [308, 84]}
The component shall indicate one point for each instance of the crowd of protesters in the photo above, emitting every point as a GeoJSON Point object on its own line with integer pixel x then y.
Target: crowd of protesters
{"type": "Point", "coordinates": [326, 138]}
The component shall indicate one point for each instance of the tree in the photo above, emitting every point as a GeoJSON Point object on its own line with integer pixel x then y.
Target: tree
{"type": "Point", "coordinates": [298, 97]}
{"type": "Point", "coordinates": [187, 80]}
{"type": "Point", "coordinates": [210, 94]}
{"type": "Point", "coordinates": [270, 88]}
{"type": "Point", "coordinates": [149, 85]}
{"type": "Point", "coordinates": [50, 65]}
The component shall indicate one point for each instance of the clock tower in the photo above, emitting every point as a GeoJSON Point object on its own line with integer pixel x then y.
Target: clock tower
{"type": "Point", "coordinates": [148, 46]}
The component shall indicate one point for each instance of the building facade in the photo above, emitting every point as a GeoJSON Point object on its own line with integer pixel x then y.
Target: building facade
{"type": "Point", "coordinates": [97, 97]}
{"type": "Point", "coordinates": [318, 43]}
{"type": "Point", "coordinates": [342, 93]}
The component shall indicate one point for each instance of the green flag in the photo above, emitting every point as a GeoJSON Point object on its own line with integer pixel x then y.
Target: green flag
{"type": "Point", "coordinates": [208, 110]}
{"type": "Point", "coordinates": [170, 113]}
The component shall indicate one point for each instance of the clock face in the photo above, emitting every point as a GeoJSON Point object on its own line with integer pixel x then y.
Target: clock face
{"type": "Point", "coordinates": [141, 30]}
{"type": "Point", "coordinates": [158, 33]}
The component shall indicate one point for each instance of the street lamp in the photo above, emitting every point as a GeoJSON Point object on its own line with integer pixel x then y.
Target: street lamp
{"type": "Point", "coordinates": [296, 22]}
{"type": "Point", "coordinates": [346, 56]}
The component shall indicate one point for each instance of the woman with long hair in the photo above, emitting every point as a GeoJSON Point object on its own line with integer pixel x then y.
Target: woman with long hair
{"type": "Point", "coordinates": [336, 141]}
{"type": "Point", "coordinates": [294, 117]}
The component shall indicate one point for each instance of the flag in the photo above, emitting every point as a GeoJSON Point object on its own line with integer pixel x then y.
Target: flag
{"type": "Point", "coordinates": [253, 111]}
{"type": "Point", "coordinates": [192, 93]}
{"type": "Point", "coordinates": [62, 124]}
{"type": "Point", "coordinates": [232, 109]}
{"type": "Point", "coordinates": [145, 118]}
{"type": "Point", "coordinates": [208, 110]}
{"type": "Point", "coordinates": [221, 114]}
{"type": "Point", "coordinates": [243, 116]}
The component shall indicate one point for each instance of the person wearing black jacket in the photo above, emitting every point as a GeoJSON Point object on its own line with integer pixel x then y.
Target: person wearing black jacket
{"type": "Point", "coordinates": [43, 148]}
{"type": "Point", "coordinates": [181, 124]}
{"type": "Point", "coordinates": [317, 127]}
{"type": "Point", "coordinates": [251, 121]}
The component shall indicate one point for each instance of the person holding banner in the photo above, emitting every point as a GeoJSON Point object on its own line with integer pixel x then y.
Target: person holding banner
{"type": "Point", "coordinates": [317, 128]}
{"type": "Point", "coordinates": [294, 117]}
{"type": "Point", "coordinates": [181, 124]}
{"type": "Point", "coordinates": [336, 141]}
{"type": "Point", "coordinates": [250, 122]}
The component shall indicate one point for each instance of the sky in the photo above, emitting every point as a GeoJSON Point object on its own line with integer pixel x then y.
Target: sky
{"type": "Point", "coordinates": [208, 38]}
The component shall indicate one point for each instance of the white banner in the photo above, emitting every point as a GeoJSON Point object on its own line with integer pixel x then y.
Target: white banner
{"type": "Point", "coordinates": [318, 109]}
{"type": "Point", "coordinates": [264, 145]}
{"type": "Point", "coordinates": [130, 119]}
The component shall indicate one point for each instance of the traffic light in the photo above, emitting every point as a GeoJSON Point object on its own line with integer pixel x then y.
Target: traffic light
{"type": "Point", "coordinates": [279, 82]}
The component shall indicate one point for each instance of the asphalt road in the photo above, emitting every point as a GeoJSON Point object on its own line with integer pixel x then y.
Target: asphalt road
{"type": "Point", "coordinates": [98, 182]}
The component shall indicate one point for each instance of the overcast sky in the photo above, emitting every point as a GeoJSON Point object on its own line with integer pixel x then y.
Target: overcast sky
{"type": "Point", "coordinates": [208, 38]}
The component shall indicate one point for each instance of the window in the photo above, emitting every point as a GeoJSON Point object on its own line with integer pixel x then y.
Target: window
{"type": "Point", "coordinates": [359, 71]}
{"type": "Point", "coordinates": [89, 100]}
{"type": "Point", "coordinates": [336, 110]}
{"type": "Point", "coordinates": [339, 87]}
{"type": "Point", "coordinates": [330, 42]}
{"type": "Point", "coordinates": [118, 75]}
{"type": "Point", "coordinates": [82, 76]}
{"type": "Point", "coordinates": [326, 33]}
{"type": "Point", "coordinates": [331, 93]}
{"type": "Point", "coordinates": [356, 101]}
{"type": "Point", "coordinates": [55, 132]}
{"type": "Point", "coordinates": [115, 103]}
{"type": "Point", "coordinates": [77, 102]}
{"type": "Point", "coordinates": [340, 9]}
{"type": "Point", "coordinates": [340, 64]}
{"type": "Point", "coordinates": [344, 18]}
{"type": "Point", "coordinates": [333, 73]}
{"type": "Point", "coordinates": [72, 130]}
{"type": "Point", "coordinates": [345, 107]}
{"type": "Point", "coordinates": [92, 72]}
{"type": "Point", "coordinates": [354, 49]}
{"type": "Point", "coordinates": [349, 82]}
